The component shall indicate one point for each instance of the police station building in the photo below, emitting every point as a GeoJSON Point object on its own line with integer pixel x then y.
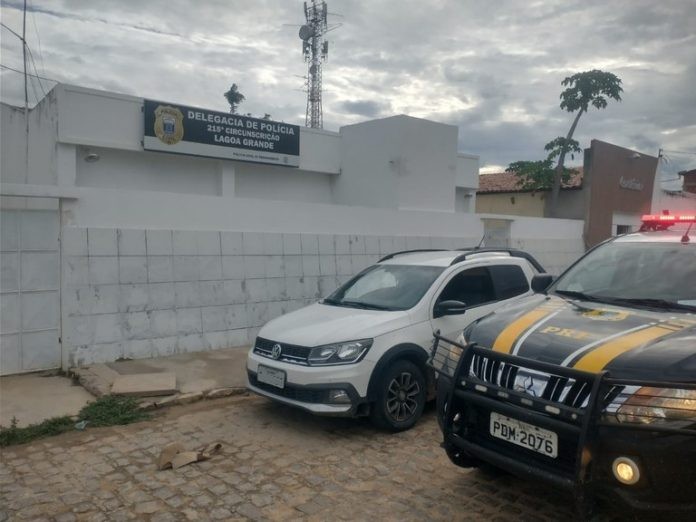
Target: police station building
{"type": "Point", "coordinates": [139, 228]}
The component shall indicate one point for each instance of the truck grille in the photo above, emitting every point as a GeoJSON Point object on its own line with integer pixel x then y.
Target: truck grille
{"type": "Point", "coordinates": [289, 352]}
{"type": "Point", "coordinates": [571, 391]}
{"type": "Point", "coordinates": [562, 400]}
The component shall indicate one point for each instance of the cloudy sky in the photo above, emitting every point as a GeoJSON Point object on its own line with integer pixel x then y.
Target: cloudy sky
{"type": "Point", "coordinates": [493, 68]}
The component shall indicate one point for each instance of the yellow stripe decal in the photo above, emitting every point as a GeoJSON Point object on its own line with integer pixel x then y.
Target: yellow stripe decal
{"type": "Point", "coordinates": [598, 358]}
{"type": "Point", "coordinates": [506, 339]}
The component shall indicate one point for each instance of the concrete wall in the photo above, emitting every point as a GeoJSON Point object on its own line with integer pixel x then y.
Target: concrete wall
{"type": "Point", "coordinates": [675, 203]}
{"type": "Point", "coordinates": [43, 120]}
{"type": "Point", "coordinates": [512, 203]}
{"type": "Point", "coordinates": [153, 274]}
{"type": "Point", "coordinates": [399, 162]}
{"type": "Point", "coordinates": [571, 203]}
{"type": "Point", "coordinates": [143, 293]}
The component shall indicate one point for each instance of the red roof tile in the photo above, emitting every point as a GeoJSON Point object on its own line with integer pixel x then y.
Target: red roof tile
{"type": "Point", "coordinates": [508, 182]}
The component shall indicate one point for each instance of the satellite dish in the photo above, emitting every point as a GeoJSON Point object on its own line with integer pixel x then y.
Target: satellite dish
{"type": "Point", "coordinates": [306, 32]}
{"type": "Point", "coordinates": [312, 69]}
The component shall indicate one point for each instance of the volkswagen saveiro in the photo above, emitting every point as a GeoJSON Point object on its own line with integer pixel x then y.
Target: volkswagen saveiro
{"type": "Point", "coordinates": [363, 349]}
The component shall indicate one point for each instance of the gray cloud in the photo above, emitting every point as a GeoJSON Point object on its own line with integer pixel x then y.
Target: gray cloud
{"type": "Point", "coordinates": [492, 68]}
{"type": "Point", "coordinates": [367, 108]}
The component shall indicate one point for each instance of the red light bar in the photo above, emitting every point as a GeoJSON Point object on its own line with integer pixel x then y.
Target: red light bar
{"type": "Point", "coordinates": [668, 218]}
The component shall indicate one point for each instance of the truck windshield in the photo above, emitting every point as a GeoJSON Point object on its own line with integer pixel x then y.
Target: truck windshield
{"type": "Point", "coordinates": [386, 287]}
{"type": "Point", "coordinates": [654, 275]}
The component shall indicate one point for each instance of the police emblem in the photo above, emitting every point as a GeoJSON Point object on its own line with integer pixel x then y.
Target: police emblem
{"type": "Point", "coordinates": [169, 124]}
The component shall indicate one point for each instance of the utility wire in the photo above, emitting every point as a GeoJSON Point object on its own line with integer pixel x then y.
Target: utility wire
{"type": "Point", "coordinates": [33, 88]}
{"type": "Point", "coordinates": [38, 78]}
{"type": "Point", "coordinates": [680, 152]}
{"type": "Point", "coordinates": [31, 56]}
{"type": "Point", "coordinates": [38, 38]}
{"type": "Point", "coordinates": [14, 33]}
{"type": "Point", "coordinates": [3, 66]}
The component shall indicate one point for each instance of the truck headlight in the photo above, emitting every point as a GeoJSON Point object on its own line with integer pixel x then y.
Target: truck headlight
{"type": "Point", "coordinates": [648, 404]}
{"type": "Point", "coordinates": [339, 353]}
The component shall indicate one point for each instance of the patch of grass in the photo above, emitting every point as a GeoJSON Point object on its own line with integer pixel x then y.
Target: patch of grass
{"type": "Point", "coordinates": [112, 410]}
{"type": "Point", "coordinates": [55, 426]}
{"type": "Point", "coordinates": [109, 410]}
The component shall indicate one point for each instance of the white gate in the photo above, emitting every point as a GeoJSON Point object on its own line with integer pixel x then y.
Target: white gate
{"type": "Point", "coordinates": [29, 291]}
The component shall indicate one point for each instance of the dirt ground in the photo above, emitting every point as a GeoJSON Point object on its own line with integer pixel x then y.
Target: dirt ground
{"type": "Point", "coordinates": [276, 463]}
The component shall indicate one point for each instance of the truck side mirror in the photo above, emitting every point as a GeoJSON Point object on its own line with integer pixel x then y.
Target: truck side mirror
{"type": "Point", "coordinates": [541, 282]}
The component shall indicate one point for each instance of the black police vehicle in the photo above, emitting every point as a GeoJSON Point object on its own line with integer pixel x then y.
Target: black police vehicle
{"type": "Point", "coordinates": [590, 384]}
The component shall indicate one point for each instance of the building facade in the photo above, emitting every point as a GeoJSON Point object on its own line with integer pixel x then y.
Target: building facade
{"type": "Point", "coordinates": [110, 250]}
{"type": "Point", "coordinates": [499, 193]}
{"type": "Point", "coordinates": [610, 193]}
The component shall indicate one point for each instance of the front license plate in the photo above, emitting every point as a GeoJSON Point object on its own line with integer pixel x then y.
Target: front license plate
{"type": "Point", "coordinates": [525, 435]}
{"type": "Point", "coordinates": [271, 376]}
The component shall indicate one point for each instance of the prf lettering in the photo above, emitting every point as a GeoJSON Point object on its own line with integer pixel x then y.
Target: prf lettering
{"type": "Point", "coordinates": [566, 332]}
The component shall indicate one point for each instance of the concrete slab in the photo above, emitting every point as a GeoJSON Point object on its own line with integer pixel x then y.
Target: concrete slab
{"type": "Point", "coordinates": [196, 371]}
{"type": "Point", "coordinates": [145, 384]}
{"type": "Point", "coordinates": [222, 371]}
{"type": "Point", "coordinates": [32, 398]}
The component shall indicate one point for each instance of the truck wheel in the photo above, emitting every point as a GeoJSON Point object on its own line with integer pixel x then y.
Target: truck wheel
{"type": "Point", "coordinates": [460, 457]}
{"type": "Point", "coordinates": [400, 397]}
{"type": "Point", "coordinates": [443, 384]}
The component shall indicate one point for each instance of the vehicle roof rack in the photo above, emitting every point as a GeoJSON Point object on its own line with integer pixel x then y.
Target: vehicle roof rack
{"type": "Point", "coordinates": [513, 252]}
{"type": "Point", "coordinates": [394, 254]}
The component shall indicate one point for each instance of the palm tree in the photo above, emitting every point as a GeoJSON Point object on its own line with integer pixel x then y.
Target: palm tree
{"type": "Point", "coordinates": [587, 88]}
{"type": "Point", "coordinates": [234, 98]}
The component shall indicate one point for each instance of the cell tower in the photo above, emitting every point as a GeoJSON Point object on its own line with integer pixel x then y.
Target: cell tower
{"type": "Point", "coordinates": [315, 50]}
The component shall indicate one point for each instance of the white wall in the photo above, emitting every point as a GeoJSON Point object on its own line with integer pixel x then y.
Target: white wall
{"type": "Point", "coordinates": [147, 171]}
{"type": "Point", "coordinates": [42, 151]}
{"type": "Point", "coordinates": [398, 162]}
{"type": "Point", "coordinates": [143, 293]}
{"type": "Point", "coordinates": [675, 203]}
{"type": "Point", "coordinates": [467, 171]}
{"type": "Point", "coordinates": [271, 182]}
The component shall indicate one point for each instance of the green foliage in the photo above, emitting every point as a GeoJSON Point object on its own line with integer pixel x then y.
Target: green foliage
{"type": "Point", "coordinates": [590, 88]}
{"type": "Point", "coordinates": [14, 435]}
{"type": "Point", "coordinates": [533, 175]}
{"type": "Point", "coordinates": [557, 145]}
{"type": "Point", "coordinates": [109, 410]}
{"type": "Point", "coordinates": [538, 175]}
{"type": "Point", "coordinates": [234, 98]}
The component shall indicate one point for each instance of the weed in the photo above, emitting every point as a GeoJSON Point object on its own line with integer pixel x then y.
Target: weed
{"type": "Point", "coordinates": [15, 435]}
{"type": "Point", "coordinates": [109, 410]}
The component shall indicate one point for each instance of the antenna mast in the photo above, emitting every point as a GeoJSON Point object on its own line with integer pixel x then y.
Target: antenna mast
{"type": "Point", "coordinates": [315, 50]}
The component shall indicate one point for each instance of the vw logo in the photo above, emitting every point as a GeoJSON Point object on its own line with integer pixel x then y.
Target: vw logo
{"type": "Point", "coordinates": [276, 351]}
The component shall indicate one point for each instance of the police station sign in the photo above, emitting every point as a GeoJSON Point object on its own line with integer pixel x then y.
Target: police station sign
{"type": "Point", "coordinates": [199, 132]}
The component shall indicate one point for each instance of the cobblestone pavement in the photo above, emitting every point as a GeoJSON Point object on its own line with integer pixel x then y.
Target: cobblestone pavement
{"type": "Point", "coordinates": [276, 464]}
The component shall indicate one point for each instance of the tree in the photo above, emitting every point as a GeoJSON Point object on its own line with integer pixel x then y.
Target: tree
{"type": "Point", "coordinates": [585, 89]}
{"type": "Point", "coordinates": [539, 175]}
{"type": "Point", "coordinates": [234, 98]}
